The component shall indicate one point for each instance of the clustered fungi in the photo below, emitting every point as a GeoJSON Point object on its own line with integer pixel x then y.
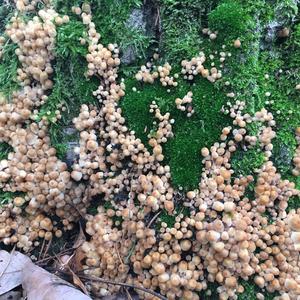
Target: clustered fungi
{"type": "Point", "coordinates": [211, 34]}
{"type": "Point", "coordinates": [26, 5]}
{"type": "Point", "coordinates": [227, 234]}
{"type": "Point", "coordinates": [185, 104]}
{"type": "Point", "coordinates": [190, 69]}
{"type": "Point", "coordinates": [33, 168]}
{"type": "Point", "coordinates": [149, 72]}
{"type": "Point", "coordinates": [225, 237]}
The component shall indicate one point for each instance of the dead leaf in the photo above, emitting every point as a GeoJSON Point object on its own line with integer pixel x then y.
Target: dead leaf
{"type": "Point", "coordinates": [76, 263]}
{"type": "Point", "coordinates": [78, 282]}
{"type": "Point", "coordinates": [42, 285]}
{"type": "Point", "coordinates": [11, 265]}
{"type": "Point", "coordinates": [12, 295]}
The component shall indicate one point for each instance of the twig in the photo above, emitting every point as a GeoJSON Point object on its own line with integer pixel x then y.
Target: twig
{"type": "Point", "coordinates": [92, 278]}
{"type": "Point", "coordinates": [47, 248]}
{"type": "Point", "coordinates": [42, 249]}
{"type": "Point", "coordinates": [11, 254]}
{"type": "Point", "coordinates": [121, 261]}
{"type": "Point", "coordinates": [53, 257]}
{"type": "Point", "coordinates": [130, 251]}
{"type": "Point", "coordinates": [153, 219]}
{"type": "Point", "coordinates": [128, 294]}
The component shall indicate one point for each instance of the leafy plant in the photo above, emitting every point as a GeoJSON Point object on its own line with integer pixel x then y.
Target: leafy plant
{"type": "Point", "coordinates": [230, 19]}
{"type": "Point", "coordinates": [8, 69]}
{"type": "Point", "coordinates": [4, 150]}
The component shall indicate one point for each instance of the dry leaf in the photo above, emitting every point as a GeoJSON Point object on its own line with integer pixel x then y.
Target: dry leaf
{"type": "Point", "coordinates": [76, 263]}
{"type": "Point", "coordinates": [42, 285]}
{"type": "Point", "coordinates": [12, 295]}
{"type": "Point", "coordinates": [11, 265]}
{"type": "Point", "coordinates": [78, 282]}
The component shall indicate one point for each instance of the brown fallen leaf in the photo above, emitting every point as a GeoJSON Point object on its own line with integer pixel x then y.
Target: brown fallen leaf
{"type": "Point", "coordinates": [78, 282]}
{"type": "Point", "coordinates": [76, 263]}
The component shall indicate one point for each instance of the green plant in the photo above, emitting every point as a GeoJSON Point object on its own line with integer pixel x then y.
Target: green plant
{"type": "Point", "coordinates": [5, 197]}
{"type": "Point", "coordinates": [8, 69]}
{"type": "Point", "coordinates": [6, 12]}
{"type": "Point", "coordinates": [245, 162]}
{"type": "Point", "coordinates": [4, 150]}
{"type": "Point", "coordinates": [182, 152]}
{"type": "Point", "coordinates": [230, 19]}
{"type": "Point", "coordinates": [68, 40]}
{"type": "Point", "coordinates": [181, 23]}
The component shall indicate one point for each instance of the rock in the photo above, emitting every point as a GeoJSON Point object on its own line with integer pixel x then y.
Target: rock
{"type": "Point", "coordinates": [135, 21]}
{"type": "Point", "coordinates": [146, 21]}
{"type": "Point", "coordinates": [271, 32]}
{"type": "Point", "coordinates": [73, 142]}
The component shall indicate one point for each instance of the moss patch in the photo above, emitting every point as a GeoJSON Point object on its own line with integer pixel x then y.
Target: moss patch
{"type": "Point", "coordinates": [8, 69]}
{"type": "Point", "coordinates": [182, 152]}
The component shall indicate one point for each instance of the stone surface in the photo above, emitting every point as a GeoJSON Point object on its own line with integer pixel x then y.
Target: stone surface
{"type": "Point", "coordinates": [73, 142]}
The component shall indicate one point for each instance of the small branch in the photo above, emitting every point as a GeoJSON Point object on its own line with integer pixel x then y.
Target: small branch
{"type": "Point", "coordinates": [92, 278]}
{"type": "Point", "coordinates": [153, 219]}
{"type": "Point", "coordinates": [47, 248]}
{"type": "Point", "coordinates": [42, 249]}
{"type": "Point", "coordinates": [46, 259]}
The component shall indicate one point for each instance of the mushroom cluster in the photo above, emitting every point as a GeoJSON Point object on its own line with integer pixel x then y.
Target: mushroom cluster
{"type": "Point", "coordinates": [230, 228]}
{"type": "Point", "coordinates": [27, 5]}
{"type": "Point", "coordinates": [211, 34]}
{"type": "Point", "coordinates": [190, 69]}
{"type": "Point", "coordinates": [32, 167]}
{"type": "Point", "coordinates": [164, 129]}
{"type": "Point", "coordinates": [149, 72]}
{"type": "Point", "coordinates": [106, 255]}
{"type": "Point", "coordinates": [226, 233]}
{"type": "Point", "coordinates": [185, 104]}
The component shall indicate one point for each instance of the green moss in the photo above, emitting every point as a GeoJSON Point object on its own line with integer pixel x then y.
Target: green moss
{"type": "Point", "coordinates": [245, 162]}
{"type": "Point", "coordinates": [8, 69]}
{"type": "Point", "coordinates": [182, 152]}
{"type": "Point", "coordinates": [5, 149]}
{"type": "Point", "coordinates": [192, 134]}
{"type": "Point", "coordinates": [251, 290]}
{"type": "Point", "coordinates": [6, 197]}
{"type": "Point", "coordinates": [182, 22]}
{"type": "Point", "coordinates": [231, 20]}
{"type": "Point", "coordinates": [68, 40]}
